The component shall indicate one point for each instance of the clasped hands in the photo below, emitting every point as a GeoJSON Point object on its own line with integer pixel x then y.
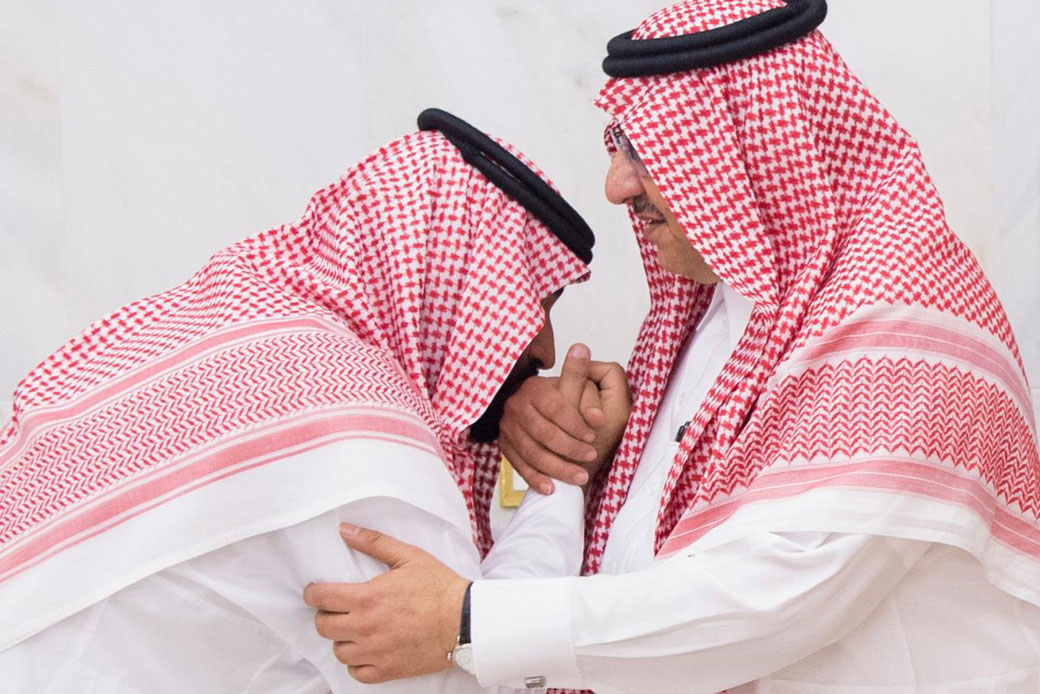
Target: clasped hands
{"type": "Point", "coordinates": [404, 622]}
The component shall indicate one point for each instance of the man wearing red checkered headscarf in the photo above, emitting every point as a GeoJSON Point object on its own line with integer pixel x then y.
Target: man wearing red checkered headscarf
{"type": "Point", "coordinates": [174, 476]}
{"type": "Point", "coordinates": [829, 482]}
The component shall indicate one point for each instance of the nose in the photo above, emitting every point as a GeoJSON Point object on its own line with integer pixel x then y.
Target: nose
{"type": "Point", "coordinates": [623, 181]}
{"type": "Point", "coordinates": [542, 350]}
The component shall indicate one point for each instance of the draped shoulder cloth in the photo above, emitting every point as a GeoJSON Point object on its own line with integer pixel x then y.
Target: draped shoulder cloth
{"type": "Point", "coordinates": [392, 311]}
{"type": "Point", "coordinates": [878, 387]}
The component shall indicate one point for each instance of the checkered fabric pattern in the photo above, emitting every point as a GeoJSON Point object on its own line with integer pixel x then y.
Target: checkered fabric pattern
{"type": "Point", "coordinates": [877, 356]}
{"type": "Point", "coordinates": [399, 302]}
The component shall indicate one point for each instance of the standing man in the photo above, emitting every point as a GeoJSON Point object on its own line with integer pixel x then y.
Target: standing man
{"type": "Point", "coordinates": [829, 482]}
{"type": "Point", "coordinates": [176, 473]}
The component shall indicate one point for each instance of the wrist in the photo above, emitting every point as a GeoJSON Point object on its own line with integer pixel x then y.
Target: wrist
{"type": "Point", "coordinates": [464, 615]}
{"type": "Point", "coordinates": [461, 656]}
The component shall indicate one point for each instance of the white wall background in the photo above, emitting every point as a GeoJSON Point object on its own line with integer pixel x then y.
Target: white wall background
{"type": "Point", "coordinates": [136, 138]}
{"type": "Point", "coordinates": [1016, 179]}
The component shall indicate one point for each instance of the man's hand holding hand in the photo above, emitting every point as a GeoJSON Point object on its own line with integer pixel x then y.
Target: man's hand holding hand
{"type": "Point", "coordinates": [402, 623]}
{"type": "Point", "coordinates": [568, 427]}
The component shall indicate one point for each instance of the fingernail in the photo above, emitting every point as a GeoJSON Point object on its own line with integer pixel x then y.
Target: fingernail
{"type": "Point", "coordinates": [590, 456]}
{"type": "Point", "coordinates": [579, 351]}
{"type": "Point", "coordinates": [581, 478]}
{"type": "Point", "coordinates": [348, 529]}
{"type": "Point", "coordinates": [546, 488]}
{"type": "Point", "coordinates": [590, 437]}
{"type": "Point", "coordinates": [596, 412]}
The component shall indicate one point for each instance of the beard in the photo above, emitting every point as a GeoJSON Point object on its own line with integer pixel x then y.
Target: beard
{"type": "Point", "coordinates": [485, 429]}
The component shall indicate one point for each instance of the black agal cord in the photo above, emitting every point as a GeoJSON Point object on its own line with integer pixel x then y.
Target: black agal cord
{"type": "Point", "coordinates": [515, 179]}
{"type": "Point", "coordinates": [628, 57]}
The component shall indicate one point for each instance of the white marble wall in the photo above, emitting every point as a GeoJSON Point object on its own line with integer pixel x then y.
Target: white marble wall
{"type": "Point", "coordinates": [1016, 159]}
{"type": "Point", "coordinates": [139, 137]}
{"type": "Point", "coordinates": [136, 138]}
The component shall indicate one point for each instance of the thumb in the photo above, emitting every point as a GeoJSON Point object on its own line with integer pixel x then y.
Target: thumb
{"type": "Point", "coordinates": [574, 372]}
{"type": "Point", "coordinates": [384, 548]}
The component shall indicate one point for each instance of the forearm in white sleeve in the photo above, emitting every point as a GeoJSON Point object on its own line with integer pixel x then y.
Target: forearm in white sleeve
{"type": "Point", "coordinates": [265, 574]}
{"type": "Point", "coordinates": [545, 537]}
{"type": "Point", "coordinates": [697, 623]}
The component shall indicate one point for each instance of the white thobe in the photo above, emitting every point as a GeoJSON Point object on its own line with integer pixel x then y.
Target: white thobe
{"type": "Point", "coordinates": [784, 612]}
{"type": "Point", "coordinates": [233, 621]}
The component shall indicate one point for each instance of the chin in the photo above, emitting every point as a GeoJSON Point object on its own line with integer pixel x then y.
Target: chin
{"type": "Point", "coordinates": [699, 273]}
{"type": "Point", "coordinates": [669, 264]}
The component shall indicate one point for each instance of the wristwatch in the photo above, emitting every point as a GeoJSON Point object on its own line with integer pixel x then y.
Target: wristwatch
{"type": "Point", "coordinates": [462, 654]}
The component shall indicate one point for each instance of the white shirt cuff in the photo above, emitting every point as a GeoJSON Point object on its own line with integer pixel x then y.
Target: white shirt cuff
{"type": "Point", "coordinates": [521, 631]}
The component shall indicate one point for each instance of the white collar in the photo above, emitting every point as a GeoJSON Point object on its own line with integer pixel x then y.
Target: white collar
{"type": "Point", "coordinates": [737, 311]}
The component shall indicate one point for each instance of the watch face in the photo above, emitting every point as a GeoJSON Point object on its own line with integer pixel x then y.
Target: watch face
{"type": "Point", "coordinates": [462, 656]}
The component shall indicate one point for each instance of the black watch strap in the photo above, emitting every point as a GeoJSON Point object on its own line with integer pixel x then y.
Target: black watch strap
{"type": "Point", "coordinates": [464, 622]}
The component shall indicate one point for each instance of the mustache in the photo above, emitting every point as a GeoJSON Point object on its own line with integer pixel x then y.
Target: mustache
{"type": "Point", "coordinates": [644, 209]}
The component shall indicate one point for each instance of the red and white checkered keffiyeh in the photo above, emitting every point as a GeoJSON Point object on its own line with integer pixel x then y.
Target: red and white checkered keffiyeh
{"type": "Point", "coordinates": [393, 309]}
{"type": "Point", "coordinates": [878, 387]}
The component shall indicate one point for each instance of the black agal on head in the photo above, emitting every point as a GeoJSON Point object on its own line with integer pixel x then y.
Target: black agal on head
{"type": "Point", "coordinates": [515, 179]}
{"type": "Point", "coordinates": [628, 57]}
